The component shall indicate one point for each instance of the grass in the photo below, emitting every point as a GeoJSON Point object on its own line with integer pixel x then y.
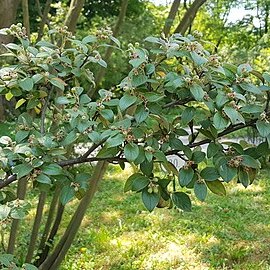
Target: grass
{"type": "Point", "coordinates": [231, 232]}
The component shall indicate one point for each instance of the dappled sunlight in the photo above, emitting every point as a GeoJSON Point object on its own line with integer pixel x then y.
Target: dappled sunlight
{"type": "Point", "coordinates": [175, 255]}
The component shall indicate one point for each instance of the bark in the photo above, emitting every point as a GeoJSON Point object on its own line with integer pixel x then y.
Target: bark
{"type": "Point", "coordinates": [171, 17]}
{"type": "Point", "coordinates": [189, 17]}
{"type": "Point", "coordinates": [21, 191]}
{"type": "Point", "coordinates": [36, 226]}
{"type": "Point", "coordinates": [2, 108]}
{"type": "Point", "coordinates": [106, 58]}
{"type": "Point", "coordinates": [54, 260]}
{"type": "Point", "coordinates": [8, 11]}
{"type": "Point", "coordinates": [44, 19]}
{"type": "Point", "coordinates": [74, 11]}
{"type": "Point", "coordinates": [26, 22]}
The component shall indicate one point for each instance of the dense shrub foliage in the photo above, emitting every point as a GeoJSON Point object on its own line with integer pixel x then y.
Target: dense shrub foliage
{"type": "Point", "coordinates": [176, 98]}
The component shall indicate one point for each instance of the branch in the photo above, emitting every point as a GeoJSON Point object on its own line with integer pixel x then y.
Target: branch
{"type": "Point", "coordinates": [189, 16]}
{"type": "Point", "coordinates": [221, 134]}
{"type": "Point", "coordinates": [177, 102]}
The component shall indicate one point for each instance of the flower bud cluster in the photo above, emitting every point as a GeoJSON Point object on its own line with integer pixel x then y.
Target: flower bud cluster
{"type": "Point", "coordinates": [104, 33]}
{"type": "Point", "coordinates": [188, 164]}
{"type": "Point", "coordinates": [17, 30]}
{"type": "Point", "coordinates": [235, 162]}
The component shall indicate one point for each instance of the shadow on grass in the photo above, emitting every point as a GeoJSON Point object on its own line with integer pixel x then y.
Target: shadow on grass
{"type": "Point", "coordinates": [231, 232]}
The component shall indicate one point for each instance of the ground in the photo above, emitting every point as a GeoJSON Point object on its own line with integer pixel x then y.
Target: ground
{"type": "Point", "coordinates": [231, 232]}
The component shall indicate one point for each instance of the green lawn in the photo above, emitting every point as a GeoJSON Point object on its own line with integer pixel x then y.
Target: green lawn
{"type": "Point", "coordinates": [231, 232]}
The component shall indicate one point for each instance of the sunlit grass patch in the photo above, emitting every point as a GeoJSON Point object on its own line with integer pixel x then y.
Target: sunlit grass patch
{"type": "Point", "coordinates": [230, 232]}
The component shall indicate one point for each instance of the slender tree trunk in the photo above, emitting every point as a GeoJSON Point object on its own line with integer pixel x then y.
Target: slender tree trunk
{"type": "Point", "coordinates": [37, 222]}
{"type": "Point", "coordinates": [21, 191]}
{"type": "Point", "coordinates": [45, 250]}
{"type": "Point", "coordinates": [54, 260]}
{"type": "Point", "coordinates": [44, 19]}
{"type": "Point", "coordinates": [26, 22]}
{"type": "Point", "coordinates": [106, 58]}
{"type": "Point", "coordinates": [2, 109]}
{"type": "Point", "coordinates": [8, 12]}
{"type": "Point", "coordinates": [189, 16]}
{"type": "Point", "coordinates": [74, 11]}
{"type": "Point", "coordinates": [171, 17]}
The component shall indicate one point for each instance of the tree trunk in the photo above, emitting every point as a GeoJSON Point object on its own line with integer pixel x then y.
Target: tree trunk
{"type": "Point", "coordinates": [189, 16]}
{"type": "Point", "coordinates": [74, 11]}
{"type": "Point", "coordinates": [26, 22]}
{"type": "Point", "coordinates": [44, 19]}
{"type": "Point", "coordinates": [106, 58]}
{"type": "Point", "coordinates": [171, 17]}
{"type": "Point", "coordinates": [54, 260]}
{"type": "Point", "coordinates": [8, 11]}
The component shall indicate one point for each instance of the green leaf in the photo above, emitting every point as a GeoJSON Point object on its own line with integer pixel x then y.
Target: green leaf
{"type": "Point", "coordinates": [219, 121]}
{"type": "Point", "coordinates": [141, 114]}
{"type": "Point", "coordinates": [243, 178]}
{"type": "Point", "coordinates": [19, 103]}
{"type": "Point", "coordinates": [250, 88]}
{"type": "Point", "coordinates": [115, 141]}
{"type": "Point", "coordinates": [226, 172]}
{"type": "Point", "coordinates": [21, 135]}
{"type": "Point", "coordinates": [26, 84]}
{"type": "Point", "coordinates": [198, 156]}
{"type": "Point", "coordinates": [17, 213]}
{"type": "Point", "coordinates": [47, 44]}
{"type": "Point", "coordinates": [263, 128]}
{"type": "Point", "coordinates": [67, 194]}
{"type": "Point", "coordinates": [185, 176]}
{"type": "Point", "coordinates": [4, 211]}
{"type": "Point", "coordinates": [62, 100]}
{"type": "Point", "coordinates": [139, 80]}
{"type": "Point", "coordinates": [52, 169]}
{"type": "Point", "coordinates": [70, 138]}
{"type": "Point", "coordinates": [234, 115]}
{"type": "Point", "coordinates": [150, 200]}
{"type": "Point", "coordinates": [209, 174]}
{"type": "Point", "coordinates": [197, 92]}
{"type": "Point", "coordinates": [89, 39]}
{"type": "Point", "coordinates": [149, 69]}
{"type": "Point", "coordinates": [22, 170]}
{"type": "Point", "coordinates": [187, 115]}
{"type": "Point", "coordinates": [126, 101]}
{"type": "Point", "coordinates": [58, 83]}
{"type": "Point", "coordinates": [250, 162]}
{"type": "Point", "coordinates": [199, 60]}
{"type": "Point", "coordinates": [200, 190]}
{"type": "Point", "coordinates": [252, 108]}
{"type": "Point", "coordinates": [131, 151]}
{"type": "Point", "coordinates": [176, 144]}
{"type": "Point", "coordinates": [138, 182]}
{"type": "Point", "coordinates": [213, 149]}
{"type": "Point", "coordinates": [182, 201]}
{"type": "Point", "coordinates": [107, 114]}
{"type": "Point", "coordinates": [216, 187]}
{"type": "Point", "coordinates": [44, 179]}
{"type": "Point", "coordinates": [147, 167]}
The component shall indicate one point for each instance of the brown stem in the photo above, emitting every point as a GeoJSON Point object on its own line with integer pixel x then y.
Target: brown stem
{"type": "Point", "coordinates": [34, 235]}
{"type": "Point", "coordinates": [21, 191]}
{"type": "Point", "coordinates": [49, 218]}
{"type": "Point", "coordinates": [171, 17]}
{"type": "Point", "coordinates": [44, 19]}
{"type": "Point", "coordinates": [189, 16]}
{"type": "Point", "coordinates": [57, 256]}
{"type": "Point", "coordinates": [45, 251]}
